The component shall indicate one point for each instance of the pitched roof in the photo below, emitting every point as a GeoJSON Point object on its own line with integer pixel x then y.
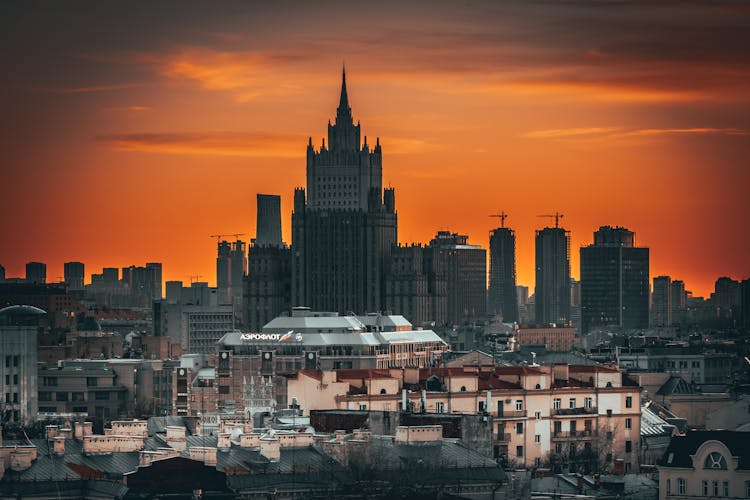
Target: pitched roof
{"type": "Point", "coordinates": [681, 448]}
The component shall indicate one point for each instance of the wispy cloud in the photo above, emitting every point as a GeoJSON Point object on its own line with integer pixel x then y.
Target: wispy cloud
{"type": "Point", "coordinates": [216, 143]}
{"type": "Point", "coordinates": [127, 108]}
{"type": "Point", "coordinates": [615, 133]}
{"type": "Point", "coordinates": [91, 88]}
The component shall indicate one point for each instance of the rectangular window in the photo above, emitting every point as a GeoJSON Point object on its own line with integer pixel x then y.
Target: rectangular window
{"type": "Point", "coordinates": [49, 381]}
{"type": "Point", "coordinates": [92, 381]}
{"type": "Point", "coordinates": [704, 485]}
{"type": "Point", "coordinates": [45, 396]}
{"type": "Point", "coordinates": [680, 486]}
{"type": "Point", "coordinates": [557, 426]}
{"type": "Point", "coordinates": [481, 406]}
{"type": "Point", "coordinates": [558, 448]}
{"type": "Point", "coordinates": [572, 403]}
{"type": "Point", "coordinates": [61, 396]}
{"type": "Point", "coordinates": [363, 407]}
{"type": "Point", "coordinates": [629, 402]}
{"type": "Point", "coordinates": [15, 360]}
{"type": "Point", "coordinates": [669, 486]}
{"type": "Point", "coordinates": [588, 402]}
{"type": "Point", "coordinates": [519, 428]}
{"type": "Point", "coordinates": [556, 403]}
{"type": "Point", "coordinates": [439, 408]}
{"type": "Point", "coordinates": [102, 396]}
{"type": "Point", "coordinates": [519, 405]}
{"type": "Point", "coordinates": [628, 446]}
{"type": "Point", "coordinates": [7, 380]}
{"type": "Point", "coordinates": [628, 423]}
{"type": "Point", "coordinates": [715, 485]}
{"type": "Point", "coordinates": [538, 415]}
{"type": "Point", "coordinates": [537, 438]}
{"type": "Point", "coordinates": [7, 361]}
{"type": "Point", "coordinates": [726, 488]}
{"type": "Point", "coordinates": [519, 451]}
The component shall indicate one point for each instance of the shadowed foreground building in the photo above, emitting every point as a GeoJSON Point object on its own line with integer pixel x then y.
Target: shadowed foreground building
{"type": "Point", "coordinates": [18, 357]}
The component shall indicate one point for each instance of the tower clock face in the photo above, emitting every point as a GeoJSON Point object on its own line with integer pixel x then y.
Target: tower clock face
{"type": "Point", "coordinates": [310, 355]}
{"type": "Point", "coordinates": [182, 373]}
{"type": "Point", "coordinates": [267, 355]}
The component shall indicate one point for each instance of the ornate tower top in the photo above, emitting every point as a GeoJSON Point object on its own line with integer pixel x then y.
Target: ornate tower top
{"type": "Point", "coordinates": [344, 111]}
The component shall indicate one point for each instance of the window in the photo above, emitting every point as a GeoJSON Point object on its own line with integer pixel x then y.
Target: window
{"type": "Point", "coordinates": [481, 406]}
{"type": "Point", "coordinates": [7, 361]}
{"type": "Point", "coordinates": [715, 461]}
{"type": "Point", "coordinates": [725, 488]}
{"type": "Point", "coordinates": [537, 462]}
{"type": "Point", "coordinates": [715, 485]}
{"type": "Point", "coordinates": [537, 438]}
{"type": "Point", "coordinates": [363, 407]}
{"type": "Point", "coordinates": [61, 396]}
{"type": "Point", "coordinates": [439, 408]}
{"type": "Point", "coordinates": [538, 415]}
{"type": "Point", "coordinates": [558, 448]}
{"type": "Point", "coordinates": [680, 486]}
{"type": "Point", "coordinates": [49, 381]}
{"type": "Point", "coordinates": [557, 426]}
{"type": "Point", "coordinates": [45, 396]}
{"type": "Point", "coordinates": [15, 360]}
{"type": "Point", "coordinates": [519, 405]}
{"type": "Point", "coordinates": [747, 489]}
{"type": "Point", "coordinates": [587, 402]}
{"type": "Point", "coordinates": [628, 446]}
{"type": "Point", "coordinates": [519, 428]}
{"type": "Point", "coordinates": [669, 486]}
{"type": "Point", "coordinates": [15, 379]}
{"type": "Point", "coordinates": [556, 403]}
{"type": "Point", "coordinates": [102, 396]}
{"type": "Point", "coordinates": [628, 423]}
{"type": "Point", "coordinates": [572, 403]}
{"type": "Point", "coordinates": [519, 451]}
{"type": "Point", "coordinates": [704, 487]}
{"type": "Point", "coordinates": [92, 382]}
{"type": "Point", "coordinates": [629, 402]}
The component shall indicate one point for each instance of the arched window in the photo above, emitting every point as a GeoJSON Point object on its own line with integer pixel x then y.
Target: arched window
{"type": "Point", "coordinates": [715, 461]}
{"type": "Point", "coordinates": [382, 391]}
{"type": "Point", "coordinates": [538, 386]}
{"type": "Point", "coordinates": [463, 388]}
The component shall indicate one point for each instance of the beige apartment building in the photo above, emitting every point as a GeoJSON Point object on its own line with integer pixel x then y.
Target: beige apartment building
{"type": "Point", "coordinates": [574, 417]}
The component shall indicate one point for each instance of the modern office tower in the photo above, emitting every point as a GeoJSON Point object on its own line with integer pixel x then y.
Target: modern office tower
{"type": "Point", "coordinates": [36, 272]}
{"type": "Point", "coordinates": [345, 224]}
{"type": "Point", "coordinates": [268, 292]}
{"type": "Point", "coordinates": [231, 268]}
{"type": "Point", "coordinates": [522, 297]}
{"type": "Point", "coordinates": [112, 275]}
{"type": "Point", "coordinates": [2, 273]}
{"type": "Point", "coordinates": [661, 302]}
{"type": "Point", "coordinates": [552, 291]}
{"type": "Point", "coordinates": [268, 227]}
{"type": "Point", "coordinates": [174, 291]}
{"type": "Point", "coordinates": [502, 298]}
{"type": "Point", "coordinates": [575, 305]}
{"type": "Point", "coordinates": [73, 272]}
{"type": "Point", "coordinates": [679, 301]}
{"type": "Point", "coordinates": [154, 273]}
{"type": "Point", "coordinates": [465, 268]}
{"type": "Point", "coordinates": [18, 370]}
{"type": "Point", "coordinates": [614, 281]}
{"type": "Point", "coordinates": [726, 298]}
{"type": "Point", "coordinates": [745, 304]}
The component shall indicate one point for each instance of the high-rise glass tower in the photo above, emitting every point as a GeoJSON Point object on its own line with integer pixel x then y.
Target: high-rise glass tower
{"type": "Point", "coordinates": [502, 291]}
{"type": "Point", "coordinates": [614, 281]}
{"type": "Point", "coordinates": [552, 292]}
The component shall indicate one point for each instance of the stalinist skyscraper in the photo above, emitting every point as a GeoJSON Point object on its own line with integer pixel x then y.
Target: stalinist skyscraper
{"type": "Point", "coordinates": [343, 227]}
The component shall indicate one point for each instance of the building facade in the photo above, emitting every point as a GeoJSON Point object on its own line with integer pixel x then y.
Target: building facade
{"type": "Point", "coordinates": [614, 281]}
{"type": "Point", "coordinates": [268, 221]}
{"type": "Point", "coordinates": [345, 224]}
{"type": "Point", "coordinates": [74, 275]}
{"type": "Point", "coordinates": [661, 301]}
{"type": "Point", "coordinates": [18, 357]}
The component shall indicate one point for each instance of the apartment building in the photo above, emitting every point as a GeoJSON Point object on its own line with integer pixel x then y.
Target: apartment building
{"type": "Point", "coordinates": [567, 417]}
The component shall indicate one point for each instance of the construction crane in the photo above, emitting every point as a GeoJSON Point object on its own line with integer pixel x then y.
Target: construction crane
{"type": "Point", "coordinates": [194, 277]}
{"type": "Point", "coordinates": [502, 216]}
{"type": "Point", "coordinates": [220, 236]}
{"type": "Point", "coordinates": [556, 215]}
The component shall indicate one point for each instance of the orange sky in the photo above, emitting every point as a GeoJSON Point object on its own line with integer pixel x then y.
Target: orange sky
{"type": "Point", "coordinates": [132, 133]}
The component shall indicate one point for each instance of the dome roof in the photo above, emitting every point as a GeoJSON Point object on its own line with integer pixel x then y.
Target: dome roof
{"type": "Point", "coordinates": [22, 311]}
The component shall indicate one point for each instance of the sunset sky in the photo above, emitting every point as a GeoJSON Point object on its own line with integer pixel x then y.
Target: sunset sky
{"type": "Point", "coordinates": [131, 131]}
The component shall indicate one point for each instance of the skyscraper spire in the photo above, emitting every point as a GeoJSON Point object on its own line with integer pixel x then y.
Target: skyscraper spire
{"type": "Point", "coordinates": [344, 108]}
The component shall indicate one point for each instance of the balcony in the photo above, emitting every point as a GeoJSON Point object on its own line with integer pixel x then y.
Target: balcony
{"type": "Point", "coordinates": [573, 412]}
{"type": "Point", "coordinates": [574, 435]}
{"type": "Point", "coordinates": [503, 438]}
{"type": "Point", "coordinates": [512, 414]}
